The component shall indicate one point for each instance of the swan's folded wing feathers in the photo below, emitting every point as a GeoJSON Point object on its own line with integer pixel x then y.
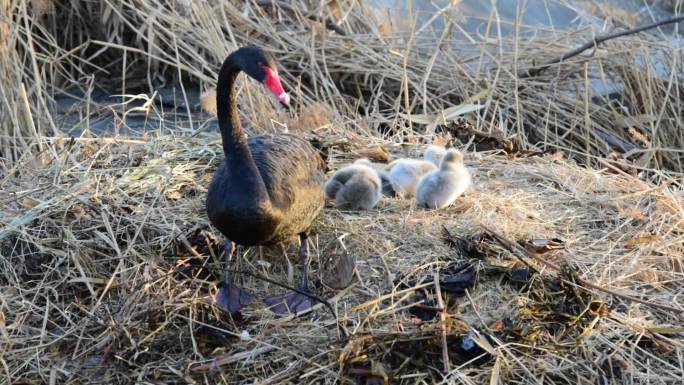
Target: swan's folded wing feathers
{"type": "Point", "coordinates": [293, 173]}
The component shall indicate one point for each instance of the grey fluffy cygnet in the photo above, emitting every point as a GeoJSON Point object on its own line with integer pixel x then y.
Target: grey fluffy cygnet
{"type": "Point", "coordinates": [387, 189]}
{"type": "Point", "coordinates": [355, 187]}
{"type": "Point", "coordinates": [434, 154]}
{"type": "Point", "coordinates": [441, 187]}
{"type": "Point", "coordinates": [406, 173]}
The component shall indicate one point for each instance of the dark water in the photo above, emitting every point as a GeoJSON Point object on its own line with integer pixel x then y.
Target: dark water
{"type": "Point", "coordinates": [171, 110]}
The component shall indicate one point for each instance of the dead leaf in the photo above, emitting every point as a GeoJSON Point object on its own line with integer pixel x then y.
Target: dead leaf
{"type": "Point", "coordinates": [384, 28]}
{"type": "Point", "coordinates": [442, 139]}
{"type": "Point", "coordinates": [638, 137]}
{"type": "Point", "coordinates": [642, 240]}
{"type": "Point", "coordinates": [649, 276]}
{"type": "Point", "coordinates": [541, 246]}
{"type": "Point", "coordinates": [375, 154]}
{"type": "Point", "coordinates": [342, 272]}
{"type": "Point", "coordinates": [632, 213]}
{"type": "Point", "coordinates": [483, 141]}
{"type": "Point", "coordinates": [28, 203]}
{"type": "Point", "coordinates": [445, 116]}
{"type": "Point", "coordinates": [208, 101]}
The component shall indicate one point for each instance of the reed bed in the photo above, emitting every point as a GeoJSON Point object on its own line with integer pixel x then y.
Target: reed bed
{"type": "Point", "coordinates": [108, 262]}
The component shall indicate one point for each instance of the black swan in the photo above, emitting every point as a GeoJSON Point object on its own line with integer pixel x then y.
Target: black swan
{"type": "Point", "coordinates": [268, 189]}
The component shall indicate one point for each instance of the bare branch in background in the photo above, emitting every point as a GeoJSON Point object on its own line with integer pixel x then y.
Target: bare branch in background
{"type": "Point", "coordinates": [595, 42]}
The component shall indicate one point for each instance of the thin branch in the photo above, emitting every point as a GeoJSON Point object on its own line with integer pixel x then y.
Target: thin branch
{"type": "Point", "coordinates": [595, 42]}
{"type": "Point", "coordinates": [442, 319]}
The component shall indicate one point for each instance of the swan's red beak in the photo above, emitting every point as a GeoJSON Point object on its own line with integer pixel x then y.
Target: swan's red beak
{"type": "Point", "coordinates": [272, 81]}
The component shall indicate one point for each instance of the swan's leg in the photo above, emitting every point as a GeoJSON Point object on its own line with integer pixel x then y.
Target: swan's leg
{"type": "Point", "coordinates": [231, 298]}
{"type": "Point", "coordinates": [294, 302]}
{"type": "Point", "coordinates": [304, 262]}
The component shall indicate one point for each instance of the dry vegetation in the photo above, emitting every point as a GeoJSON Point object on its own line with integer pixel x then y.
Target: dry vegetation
{"type": "Point", "coordinates": [107, 258]}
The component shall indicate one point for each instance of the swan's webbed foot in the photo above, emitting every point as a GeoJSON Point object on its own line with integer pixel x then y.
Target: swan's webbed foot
{"type": "Point", "coordinates": [231, 298]}
{"type": "Point", "coordinates": [292, 301]}
{"type": "Point", "coordinates": [288, 303]}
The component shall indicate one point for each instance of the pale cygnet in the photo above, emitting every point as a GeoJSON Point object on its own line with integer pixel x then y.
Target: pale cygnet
{"type": "Point", "coordinates": [441, 187]}
{"type": "Point", "coordinates": [434, 153]}
{"type": "Point", "coordinates": [387, 189]}
{"type": "Point", "coordinates": [355, 187]}
{"type": "Point", "coordinates": [406, 173]}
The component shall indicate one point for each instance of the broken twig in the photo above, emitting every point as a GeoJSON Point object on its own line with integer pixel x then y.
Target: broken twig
{"type": "Point", "coordinates": [442, 321]}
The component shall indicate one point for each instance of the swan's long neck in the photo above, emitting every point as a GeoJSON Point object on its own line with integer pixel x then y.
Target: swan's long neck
{"type": "Point", "coordinates": [232, 134]}
{"type": "Point", "coordinates": [239, 159]}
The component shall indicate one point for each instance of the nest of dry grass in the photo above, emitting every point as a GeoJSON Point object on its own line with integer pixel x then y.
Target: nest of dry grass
{"type": "Point", "coordinates": [107, 257]}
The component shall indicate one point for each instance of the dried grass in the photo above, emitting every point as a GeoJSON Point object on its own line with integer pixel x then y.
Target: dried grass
{"type": "Point", "coordinates": [105, 268]}
{"type": "Point", "coordinates": [107, 257]}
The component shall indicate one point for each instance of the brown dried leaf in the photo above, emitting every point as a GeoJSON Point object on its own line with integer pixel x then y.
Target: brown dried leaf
{"type": "Point", "coordinates": [632, 213]}
{"type": "Point", "coordinates": [541, 246]}
{"type": "Point", "coordinates": [496, 140]}
{"type": "Point", "coordinates": [375, 154]}
{"type": "Point", "coordinates": [638, 137]}
{"type": "Point", "coordinates": [384, 28]}
{"type": "Point", "coordinates": [642, 240]}
{"type": "Point", "coordinates": [28, 203]}
{"type": "Point", "coordinates": [208, 101]}
{"type": "Point", "coordinates": [442, 139]}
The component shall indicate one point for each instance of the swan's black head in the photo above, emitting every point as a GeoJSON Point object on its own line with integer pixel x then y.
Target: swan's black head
{"type": "Point", "coordinates": [261, 66]}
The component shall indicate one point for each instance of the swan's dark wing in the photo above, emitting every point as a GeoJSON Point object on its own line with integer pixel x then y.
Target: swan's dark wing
{"type": "Point", "coordinates": [294, 175]}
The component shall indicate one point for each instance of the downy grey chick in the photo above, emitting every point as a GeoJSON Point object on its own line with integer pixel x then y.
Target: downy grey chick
{"type": "Point", "coordinates": [406, 173]}
{"type": "Point", "coordinates": [354, 187]}
{"type": "Point", "coordinates": [434, 154]}
{"type": "Point", "coordinates": [387, 189]}
{"type": "Point", "coordinates": [441, 187]}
